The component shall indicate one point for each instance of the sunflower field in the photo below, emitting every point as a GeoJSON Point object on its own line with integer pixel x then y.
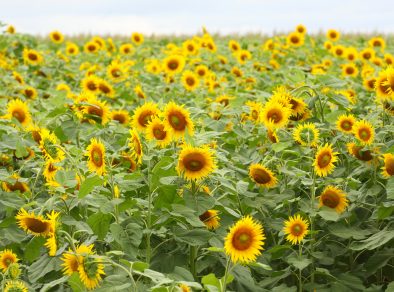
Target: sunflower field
{"type": "Point", "coordinates": [199, 163]}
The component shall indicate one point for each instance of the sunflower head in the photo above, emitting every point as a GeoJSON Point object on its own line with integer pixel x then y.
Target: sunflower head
{"type": "Point", "coordinates": [195, 163]}
{"type": "Point", "coordinates": [177, 118]}
{"type": "Point", "coordinates": [333, 198]}
{"type": "Point", "coordinates": [274, 115]}
{"type": "Point", "coordinates": [96, 156]}
{"type": "Point", "coordinates": [144, 114]}
{"type": "Point", "coordinates": [173, 64]}
{"type": "Point", "coordinates": [388, 167]}
{"type": "Point", "coordinates": [33, 224]}
{"type": "Point", "coordinates": [49, 146]}
{"type": "Point", "coordinates": [19, 110]}
{"type": "Point", "coordinates": [32, 57]}
{"type": "Point", "coordinates": [7, 258]}
{"type": "Point", "coordinates": [295, 229]}
{"type": "Point", "coordinates": [245, 240]}
{"type": "Point", "coordinates": [211, 219]}
{"type": "Point", "coordinates": [157, 131]}
{"type": "Point", "coordinates": [135, 146]}
{"type": "Point", "coordinates": [190, 80]}
{"type": "Point", "coordinates": [333, 35]}
{"type": "Point", "coordinates": [345, 123]}
{"type": "Point", "coordinates": [306, 135]}
{"type": "Point", "coordinates": [121, 116]}
{"type": "Point", "coordinates": [364, 132]}
{"type": "Point", "coordinates": [56, 37]}
{"type": "Point", "coordinates": [262, 176]}
{"type": "Point", "coordinates": [295, 39]}
{"type": "Point", "coordinates": [15, 286]}
{"type": "Point", "coordinates": [324, 160]}
{"type": "Point", "coordinates": [90, 271]}
{"type": "Point", "coordinates": [359, 152]}
{"type": "Point", "coordinates": [137, 38]}
{"type": "Point", "coordinates": [349, 70]}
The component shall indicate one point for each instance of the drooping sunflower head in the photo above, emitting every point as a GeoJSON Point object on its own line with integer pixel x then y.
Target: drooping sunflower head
{"type": "Point", "coordinates": [333, 198]}
{"type": "Point", "coordinates": [122, 116]}
{"type": "Point", "coordinates": [32, 57]}
{"type": "Point", "coordinates": [296, 228]}
{"type": "Point", "coordinates": [173, 64]}
{"type": "Point", "coordinates": [262, 176]}
{"type": "Point", "coordinates": [157, 131]}
{"type": "Point", "coordinates": [364, 132]}
{"type": "Point", "coordinates": [71, 259]}
{"type": "Point", "coordinates": [96, 156]}
{"type": "Point", "coordinates": [50, 170]}
{"type": "Point", "coordinates": [19, 110]}
{"type": "Point", "coordinates": [49, 146]}
{"type": "Point", "coordinates": [57, 37]}
{"type": "Point", "coordinates": [195, 163]}
{"type": "Point", "coordinates": [15, 286]}
{"type": "Point", "coordinates": [33, 224]}
{"type": "Point", "coordinates": [137, 38]}
{"type": "Point", "coordinates": [345, 123]}
{"type": "Point", "coordinates": [144, 114]}
{"type": "Point", "coordinates": [135, 146]}
{"type": "Point", "coordinates": [90, 270]}
{"type": "Point", "coordinates": [18, 185]}
{"type": "Point", "coordinates": [7, 258]}
{"type": "Point", "coordinates": [190, 80]}
{"type": "Point", "coordinates": [306, 135]}
{"type": "Point", "coordinates": [244, 241]}
{"type": "Point", "coordinates": [106, 88]}
{"type": "Point", "coordinates": [333, 35]}
{"type": "Point", "coordinates": [96, 110]}
{"type": "Point", "coordinates": [211, 219]}
{"type": "Point", "coordinates": [324, 160]}
{"type": "Point", "coordinates": [388, 167]}
{"type": "Point", "coordinates": [359, 152]}
{"type": "Point", "coordinates": [177, 118]}
{"type": "Point", "coordinates": [274, 115]}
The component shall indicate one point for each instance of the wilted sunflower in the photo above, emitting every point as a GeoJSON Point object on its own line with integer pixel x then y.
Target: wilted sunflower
{"type": "Point", "coordinates": [15, 286]}
{"type": "Point", "coordinates": [211, 219]}
{"type": "Point", "coordinates": [364, 132]}
{"type": "Point", "coordinates": [19, 110]}
{"type": "Point", "coordinates": [345, 123]}
{"type": "Point", "coordinates": [50, 170]}
{"type": "Point", "coordinates": [96, 110]}
{"type": "Point", "coordinates": [349, 70]}
{"type": "Point", "coordinates": [333, 198]}
{"type": "Point", "coordinates": [178, 120]}
{"type": "Point", "coordinates": [274, 115]}
{"type": "Point", "coordinates": [7, 257]}
{"type": "Point", "coordinates": [56, 37]}
{"type": "Point", "coordinates": [195, 163]}
{"type": "Point", "coordinates": [173, 64]}
{"type": "Point", "coordinates": [32, 57]}
{"type": "Point", "coordinates": [33, 224]}
{"type": "Point", "coordinates": [71, 259]}
{"type": "Point", "coordinates": [144, 114]}
{"type": "Point", "coordinates": [48, 146]}
{"type": "Point", "coordinates": [190, 80]}
{"type": "Point", "coordinates": [324, 160]}
{"type": "Point", "coordinates": [244, 241]}
{"type": "Point", "coordinates": [306, 134]}
{"type": "Point", "coordinates": [388, 167]}
{"type": "Point", "coordinates": [296, 228]}
{"type": "Point", "coordinates": [96, 156]}
{"type": "Point", "coordinates": [90, 270]}
{"type": "Point", "coordinates": [137, 38]}
{"type": "Point", "coordinates": [136, 146]}
{"type": "Point", "coordinates": [156, 131]}
{"type": "Point", "coordinates": [333, 35]}
{"type": "Point", "coordinates": [122, 116]}
{"type": "Point", "coordinates": [262, 176]}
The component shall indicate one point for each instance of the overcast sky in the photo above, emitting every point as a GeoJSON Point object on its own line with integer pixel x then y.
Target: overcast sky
{"type": "Point", "coordinates": [187, 17]}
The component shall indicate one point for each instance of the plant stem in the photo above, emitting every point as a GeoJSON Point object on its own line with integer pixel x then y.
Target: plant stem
{"type": "Point", "coordinates": [224, 286]}
{"type": "Point", "coordinates": [311, 219]}
{"type": "Point", "coordinates": [192, 261]}
{"type": "Point", "coordinates": [299, 270]}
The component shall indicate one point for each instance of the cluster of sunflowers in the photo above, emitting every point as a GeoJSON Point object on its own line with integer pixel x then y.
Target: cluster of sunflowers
{"type": "Point", "coordinates": [171, 164]}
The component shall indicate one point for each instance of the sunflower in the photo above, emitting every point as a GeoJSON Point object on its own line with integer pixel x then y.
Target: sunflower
{"type": "Point", "coordinates": [33, 224]}
{"type": "Point", "coordinates": [30, 92]}
{"type": "Point", "coordinates": [144, 114]}
{"type": "Point", "coordinates": [381, 87]}
{"type": "Point", "coordinates": [48, 146]}
{"type": "Point", "coordinates": [324, 160]}
{"type": "Point", "coordinates": [185, 288]}
{"type": "Point", "coordinates": [15, 286]}
{"type": "Point", "coordinates": [19, 110]}
{"type": "Point", "coordinates": [262, 176]}
{"type": "Point", "coordinates": [7, 257]}
{"type": "Point", "coordinates": [56, 37]}
{"type": "Point", "coordinates": [345, 123]}
{"type": "Point", "coordinates": [153, 66]}
{"type": "Point", "coordinates": [245, 240]}
{"type": "Point", "coordinates": [137, 38]}
{"type": "Point", "coordinates": [224, 99]}
{"type": "Point", "coordinates": [333, 35]}
{"type": "Point", "coordinates": [106, 88]}
{"type": "Point", "coordinates": [333, 198]}
{"type": "Point", "coordinates": [173, 64]}
{"type": "Point", "coordinates": [50, 170]}
{"type": "Point", "coordinates": [122, 116]}
{"type": "Point", "coordinates": [90, 84]}
{"type": "Point", "coordinates": [272, 136]}
{"type": "Point", "coordinates": [136, 146]}
{"type": "Point", "coordinates": [388, 167]}
{"type": "Point", "coordinates": [32, 57]}
{"type": "Point", "coordinates": [178, 120]}
{"type": "Point", "coordinates": [195, 163]}
{"type": "Point", "coordinates": [301, 29]}
{"type": "Point", "coordinates": [243, 56]}
{"type": "Point", "coordinates": [306, 135]}
{"type": "Point", "coordinates": [90, 271]}
{"type": "Point", "coordinates": [91, 47]}
{"type": "Point", "coordinates": [369, 83]}
{"type": "Point", "coordinates": [126, 49]}
{"type": "Point", "coordinates": [255, 109]}
{"type": "Point", "coordinates": [96, 156]}
{"type": "Point", "coordinates": [71, 259]}
{"type": "Point", "coordinates": [367, 54]}
{"type": "Point", "coordinates": [389, 59]}
{"type": "Point", "coordinates": [359, 152]}
{"type": "Point", "coordinates": [18, 77]}
{"type": "Point", "coordinates": [17, 186]}
{"type": "Point", "coordinates": [11, 29]}
{"type": "Point", "coordinates": [190, 47]}
{"type": "Point", "coordinates": [339, 50]}
{"type": "Point", "coordinates": [296, 228]}
{"type": "Point", "coordinates": [51, 242]}
{"type": "Point", "coordinates": [364, 132]}
{"type": "Point", "coordinates": [117, 72]}
{"type": "Point", "coordinates": [389, 82]}
{"type": "Point", "coordinates": [274, 115]}
{"type": "Point", "coordinates": [349, 70]}
{"type": "Point", "coordinates": [156, 131]}
{"type": "Point", "coordinates": [211, 219]}
{"type": "Point", "coordinates": [236, 72]}
{"type": "Point", "coordinates": [190, 80]}
{"type": "Point", "coordinates": [234, 46]}
{"type": "Point", "coordinates": [97, 110]}
{"type": "Point", "coordinates": [202, 71]}
{"type": "Point", "coordinates": [72, 49]}
{"type": "Point", "coordinates": [295, 39]}
{"type": "Point", "coordinates": [377, 42]}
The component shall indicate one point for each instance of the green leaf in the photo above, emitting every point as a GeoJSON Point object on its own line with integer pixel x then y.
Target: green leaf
{"type": "Point", "coordinates": [345, 232]}
{"type": "Point", "coordinates": [99, 223]}
{"type": "Point", "coordinates": [75, 283]}
{"type": "Point", "coordinates": [328, 214]}
{"type": "Point", "coordinates": [140, 266]}
{"type": "Point", "coordinates": [211, 280]}
{"type": "Point", "coordinates": [378, 239]}
{"type": "Point", "coordinates": [88, 185]}
{"type": "Point", "coordinates": [390, 188]}
{"type": "Point", "coordinates": [378, 260]}
{"type": "Point", "coordinates": [299, 263]}
{"type": "Point", "coordinates": [43, 266]}
{"type": "Point", "coordinates": [194, 237]}
{"type": "Point", "coordinates": [54, 283]}
{"type": "Point", "coordinates": [33, 248]}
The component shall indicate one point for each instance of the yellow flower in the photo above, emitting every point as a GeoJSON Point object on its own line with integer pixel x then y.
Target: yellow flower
{"type": "Point", "coordinates": [306, 134]}
{"type": "Point", "coordinates": [126, 49]}
{"type": "Point", "coordinates": [116, 72]}
{"type": "Point", "coordinates": [178, 120]}
{"type": "Point", "coordinates": [324, 160]}
{"type": "Point", "coordinates": [137, 38]}
{"type": "Point", "coordinates": [49, 146]}
{"type": "Point", "coordinates": [122, 116]}
{"type": "Point", "coordinates": [136, 146]}
{"type": "Point", "coordinates": [359, 152]}
{"type": "Point", "coordinates": [71, 259]}
{"type": "Point", "coordinates": [157, 131]}
{"type": "Point", "coordinates": [388, 167]}
{"type": "Point", "coordinates": [333, 198]}
{"type": "Point", "coordinates": [173, 64]}
{"type": "Point", "coordinates": [295, 39]}
{"type": "Point", "coordinates": [364, 132]}
{"type": "Point", "coordinates": [30, 92]}
{"type": "Point", "coordinates": [96, 156]}
{"type": "Point", "coordinates": [377, 42]}
{"type": "Point", "coordinates": [301, 29]}
{"type": "Point", "coordinates": [7, 258]}
{"type": "Point", "coordinates": [19, 110]}
{"type": "Point", "coordinates": [50, 170]}
{"type": "Point", "coordinates": [274, 115]}
{"type": "Point", "coordinates": [262, 176]}
{"type": "Point", "coordinates": [72, 49]}
{"type": "Point", "coordinates": [367, 54]}
{"type": "Point", "coordinates": [90, 84]}
{"type": "Point", "coordinates": [211, 219]}
{"type": "Point", "coordinates": [190, 80]}
{"type": "Point", "coordinates": [96, 111]}
{"type": "Point", "coordinates": [349, 70]}
{"type": "Point", "coordinates": [333, 35]}
{"type": "Point", "coordinates": [195, 163]}
{"type": "Point", "coordinates": [106, 88]}
{"type": "Point", "coordinates": [11, 29]}
{"type": "Point", "coordinates": [33, 224]}
{"type": "Point", "coordinates": [91, 47]}
{"type": "Point", "coordinates": [32, 57]}
{"type": "Point", "coordinates": [17, 186]}
{"type": "Point", "coordinates": [15, 286]}
{"type": "Point", "coordinates": [296, 228]}
{"type": "Point", "coordinates": [345, 123]}
{"type": "Point", "coordinates": [56, 37]}
{"type": "Point", "coordinates": [244, 241]}
{"type": "Point", "coordinates": [144, 114]}
{"type": "Point", "coordinates": [90, 271]}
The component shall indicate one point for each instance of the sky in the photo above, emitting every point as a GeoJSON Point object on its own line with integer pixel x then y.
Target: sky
{"type": "Point", "coordinates": [122, 17]}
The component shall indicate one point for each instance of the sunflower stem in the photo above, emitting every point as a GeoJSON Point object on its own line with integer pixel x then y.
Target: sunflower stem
{"type": "Point", "coordinates": [299, 270]}
{"type": "Point", "coordinates": [223, 286]}
{"type": "Point", "coordinates": [192, 261]}
{"type": "Point", "coordinates": [313, 195]}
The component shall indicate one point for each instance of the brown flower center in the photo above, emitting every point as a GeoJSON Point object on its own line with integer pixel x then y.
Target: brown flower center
{"type": "Point", "coordinates": [297, 229]}
{"type": "Point", "coordinates": [330, 199]}
{"type": "Point", "coordinates": [242, 239]}
{"type": "Point", "coordinates": [324, 159]}
{"type": "Point", "coordinates": [261, 176]}
{"type": "Point", "coordinates": [194, 161]}
{"type": "Point", "coordinates": [177, 121]}
{"type": "Point", "coordinates": [36, 225]}
{"type": "Point", "coordinates": [19, 115]}
{"type": "Point", "coordinates": [97, 157]}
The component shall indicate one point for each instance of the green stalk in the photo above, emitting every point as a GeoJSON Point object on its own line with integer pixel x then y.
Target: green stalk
{"type": "Point", "coordinates": [223, 286]}
{"type": "Point", "coordinates": [192, 261]}
{"type": "Point", "coordinates": [299, 270]}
